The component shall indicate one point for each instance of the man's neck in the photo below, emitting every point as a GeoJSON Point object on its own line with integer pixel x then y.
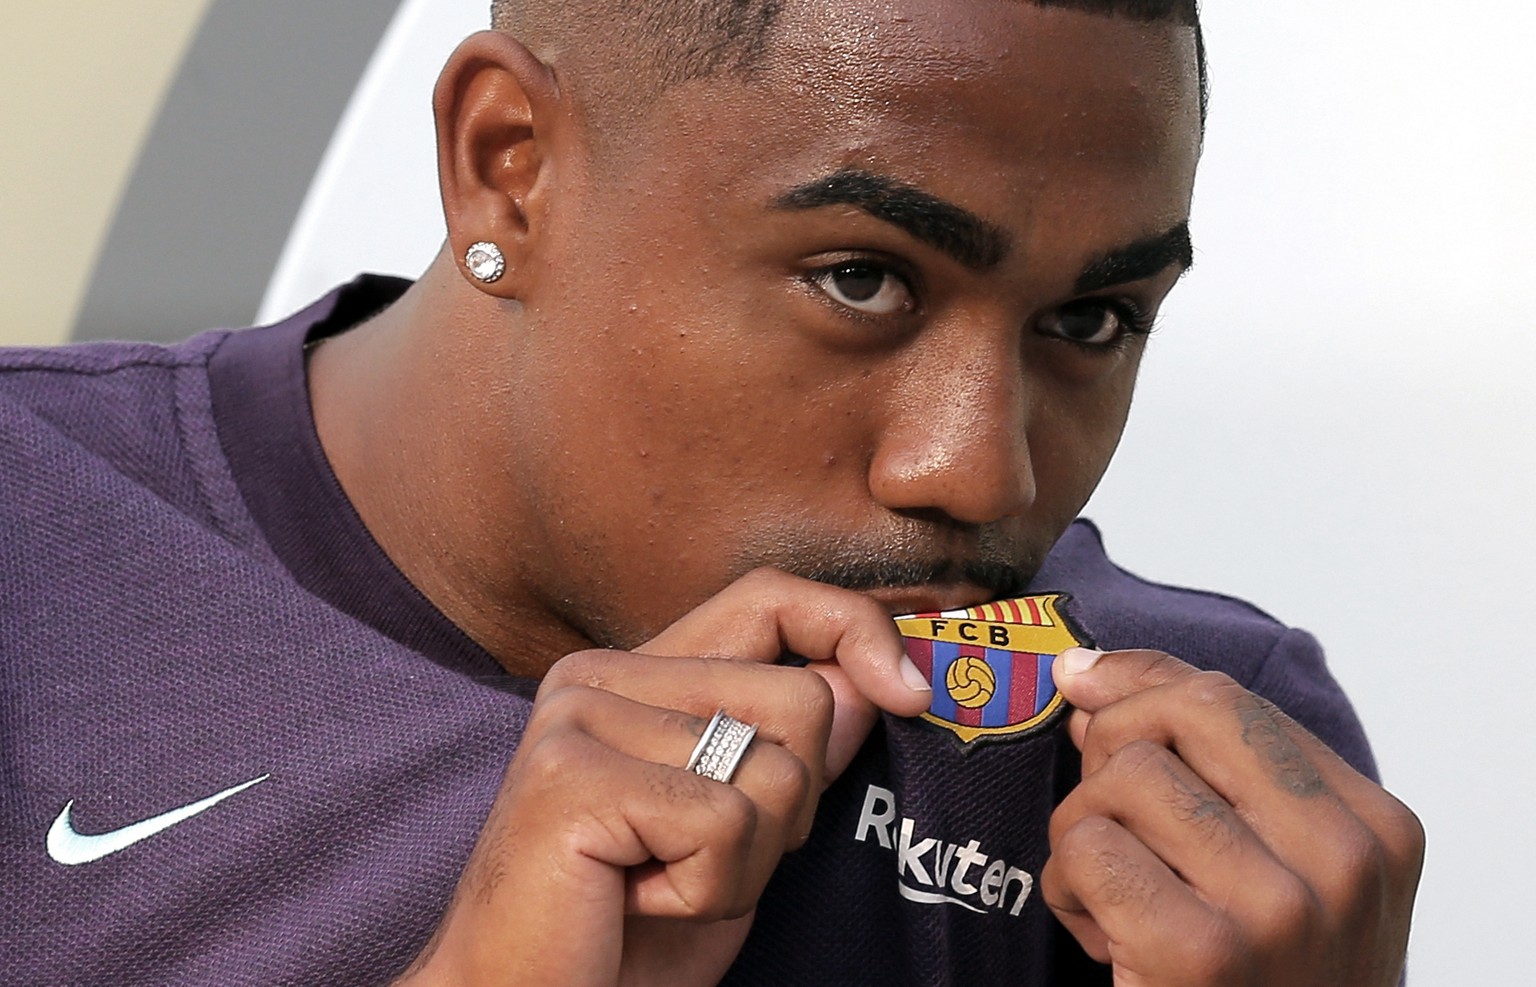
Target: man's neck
{"type": "Point", "coordinates": [409, 450]}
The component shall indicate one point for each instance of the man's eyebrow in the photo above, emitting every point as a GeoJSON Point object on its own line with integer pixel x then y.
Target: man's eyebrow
{"type": "Point", "coordinates": [958, 232]}
{"type": "Point", "coordinates": [1141, 259]}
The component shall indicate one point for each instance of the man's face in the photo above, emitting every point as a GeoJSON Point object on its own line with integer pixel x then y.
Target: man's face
{"type": "Point", "coordinates": [873, 315]}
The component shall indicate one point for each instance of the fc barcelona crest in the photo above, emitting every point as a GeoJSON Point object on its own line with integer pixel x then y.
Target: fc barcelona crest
{"type": "Point", "coordinates": [990, 666]}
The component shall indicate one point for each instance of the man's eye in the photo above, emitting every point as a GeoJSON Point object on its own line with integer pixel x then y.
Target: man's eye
{"type": "Point", "coordinates": [1094, 323]}
{"type": "Point", "coordinates": [873, 289]}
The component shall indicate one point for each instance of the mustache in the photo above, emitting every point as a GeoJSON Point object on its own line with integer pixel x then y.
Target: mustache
{"type": "Point", "coordinates": [908, 554]}
{"type": "Point", "coordinates": [906, 557]}
{"type": "Point", "coordinates": [1001, 578]}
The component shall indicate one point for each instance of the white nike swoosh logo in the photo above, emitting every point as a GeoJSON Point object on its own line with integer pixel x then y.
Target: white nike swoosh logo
{"type": "Point", "coordinates": [68, 847]}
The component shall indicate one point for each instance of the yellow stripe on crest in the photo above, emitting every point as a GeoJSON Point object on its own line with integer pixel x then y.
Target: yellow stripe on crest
{"type": "Point", "coordinates": [974, 628]}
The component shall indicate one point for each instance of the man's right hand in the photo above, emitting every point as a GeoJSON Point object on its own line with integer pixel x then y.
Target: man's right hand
{"type": "Point", "coordinates": [603, 861]}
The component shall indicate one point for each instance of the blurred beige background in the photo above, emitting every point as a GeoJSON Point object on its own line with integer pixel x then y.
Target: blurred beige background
{"type": "Point", "coordinates": [153, 157]}
{"type": "Point", "coordinates": [82, 83]}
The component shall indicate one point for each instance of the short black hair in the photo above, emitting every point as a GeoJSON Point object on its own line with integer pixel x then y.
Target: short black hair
{"type": "Point", "coordinates": [690, 39]}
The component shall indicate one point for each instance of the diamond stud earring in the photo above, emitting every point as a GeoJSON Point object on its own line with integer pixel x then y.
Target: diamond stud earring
{"type": "Point", "coordinates": [485, 261]}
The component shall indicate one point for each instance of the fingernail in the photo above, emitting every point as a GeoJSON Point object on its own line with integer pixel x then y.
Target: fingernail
{"type": "Point", "coordinates": [913, 676]}
{"type": "Point", "coordinates": [1076, 661]}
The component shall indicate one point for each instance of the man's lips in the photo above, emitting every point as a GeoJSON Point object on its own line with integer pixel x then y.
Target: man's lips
{"type": "Point", "coordinates": [908, 600]}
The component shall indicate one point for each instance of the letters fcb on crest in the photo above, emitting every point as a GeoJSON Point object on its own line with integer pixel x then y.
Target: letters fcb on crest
{"type": "Point", "coordinates": [990, 666]}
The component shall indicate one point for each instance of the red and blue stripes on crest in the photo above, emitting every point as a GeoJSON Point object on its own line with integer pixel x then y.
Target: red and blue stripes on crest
{"type": "Point", "coordinates": [1024, 684]}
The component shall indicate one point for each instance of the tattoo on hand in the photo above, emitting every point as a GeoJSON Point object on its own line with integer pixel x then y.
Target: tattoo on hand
{"type": "Point", "coordinates": [1288, 766]}
{"type": "Point", "coordinates": [1209, 814]}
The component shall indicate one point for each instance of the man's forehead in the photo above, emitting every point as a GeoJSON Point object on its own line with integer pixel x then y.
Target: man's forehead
{"type": "Point", "coordinates": [898, 36]}
{"type": "Point", "coordinates": [957, 39]}
{"type": "Point", "coordinates": [994, 101]}
{"type": "Point", "coordinates": [974, 64]}
{"type": "Point", "coordinates": [1007, 127]}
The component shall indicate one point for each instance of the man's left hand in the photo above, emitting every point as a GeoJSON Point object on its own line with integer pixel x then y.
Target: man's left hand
{"type": "Point", "coordinates": [1213, 840]}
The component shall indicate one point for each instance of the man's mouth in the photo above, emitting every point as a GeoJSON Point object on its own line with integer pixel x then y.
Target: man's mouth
{"type": "Point", "coordinates": [912, 574]}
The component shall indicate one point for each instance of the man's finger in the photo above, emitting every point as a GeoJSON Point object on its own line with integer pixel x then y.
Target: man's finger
{"type": "Point", "coordinates": [1091, 680]}
{"type": "Point", "coordinates": [1206, 716]}
{"type": "Point", "coordinates": [772, 776]}
{"type": "Point", "coordinates": [1290, 787]}
{"type": "Point", "coordinates": [790, 707]}
{"type": "Point", "coordinates": [1152, 793]}
{"type": "Point", "coordinates": [1108, 889]}
{"type": "Point", "coordinates": [768, 613]}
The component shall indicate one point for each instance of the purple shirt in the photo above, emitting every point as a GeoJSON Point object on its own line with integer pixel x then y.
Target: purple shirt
{"type": "Point", "coordinates": [191, 605]}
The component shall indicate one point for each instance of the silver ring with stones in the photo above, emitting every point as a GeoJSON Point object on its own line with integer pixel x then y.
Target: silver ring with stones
{"type": "Point", "coordinates": [721, 748]}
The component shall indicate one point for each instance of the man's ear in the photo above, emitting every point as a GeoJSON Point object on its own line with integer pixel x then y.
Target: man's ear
{"type": "Point", "coordinates": [494, 104]}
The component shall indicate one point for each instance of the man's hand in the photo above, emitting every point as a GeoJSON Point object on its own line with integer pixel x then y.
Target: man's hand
{"type": "Point", "coordinates": [1213, 841]}
{"type": "Point", "coordinates": [603, 860]}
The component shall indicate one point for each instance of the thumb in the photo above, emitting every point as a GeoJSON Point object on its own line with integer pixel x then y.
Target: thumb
{"type": "Point", "coordinates": [1091, 680]}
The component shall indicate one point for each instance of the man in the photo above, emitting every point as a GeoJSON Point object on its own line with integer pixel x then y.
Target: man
{"type": "Point", "coordinates": [757, 324]}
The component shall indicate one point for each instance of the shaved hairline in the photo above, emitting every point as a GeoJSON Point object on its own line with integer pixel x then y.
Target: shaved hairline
{"type": "Point", "coordinates": [682, 39]}
{"type": "Point", "coordinates": [678, 40]}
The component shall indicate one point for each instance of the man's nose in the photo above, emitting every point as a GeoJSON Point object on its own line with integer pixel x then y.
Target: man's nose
{"type": "Point", "coordinates": [955, 441]}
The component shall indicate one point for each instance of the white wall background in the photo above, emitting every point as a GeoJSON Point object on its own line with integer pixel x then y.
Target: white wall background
{"type": "Point", "coordinates": [1334, 421]}
{"type": "Point", "coordinates": [1338, 421]}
